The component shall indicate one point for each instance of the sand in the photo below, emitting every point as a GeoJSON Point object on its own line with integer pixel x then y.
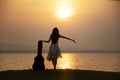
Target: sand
{"type": "Point", "coordinates": [66, 74]}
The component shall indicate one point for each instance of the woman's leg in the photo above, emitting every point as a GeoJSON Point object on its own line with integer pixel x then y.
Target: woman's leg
{"type": "Point", "coordinates": [54, 62]}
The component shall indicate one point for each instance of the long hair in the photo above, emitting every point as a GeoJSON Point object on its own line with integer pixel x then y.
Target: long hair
{"type": "Point", "coordinates": [55, 35]}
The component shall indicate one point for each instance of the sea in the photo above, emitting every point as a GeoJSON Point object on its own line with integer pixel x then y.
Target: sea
{"type": "Point", "coordinates": [109, 62]}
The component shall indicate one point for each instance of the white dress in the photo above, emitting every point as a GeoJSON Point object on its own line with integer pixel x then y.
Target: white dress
{"type": "Point", "coordinates": [54, 52]}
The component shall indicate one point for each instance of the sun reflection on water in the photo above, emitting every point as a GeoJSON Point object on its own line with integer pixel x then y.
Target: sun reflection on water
{"type": "Point", "coordinates": [67, 61]}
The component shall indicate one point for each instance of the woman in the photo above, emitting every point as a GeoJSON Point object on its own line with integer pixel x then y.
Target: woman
{"type": "Point", "coordinates": [54, 50]}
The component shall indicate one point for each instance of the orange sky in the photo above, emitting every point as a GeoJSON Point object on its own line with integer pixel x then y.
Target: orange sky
{"type": "Point", "coordinates": [94, 24]}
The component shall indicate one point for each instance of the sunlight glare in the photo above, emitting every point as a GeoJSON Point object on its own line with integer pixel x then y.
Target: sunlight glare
{"type": "Point", "coordinates": [67, 62]}
{"type": "Point", "coordinates": [64, 12]}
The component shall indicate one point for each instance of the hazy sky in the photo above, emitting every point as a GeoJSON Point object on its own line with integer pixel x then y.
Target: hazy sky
{"type": "Point", "coordinates": [94, 24]}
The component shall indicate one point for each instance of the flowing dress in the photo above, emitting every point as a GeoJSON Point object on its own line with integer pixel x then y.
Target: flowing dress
{"type": "Point", "coordinates": [54, 52]}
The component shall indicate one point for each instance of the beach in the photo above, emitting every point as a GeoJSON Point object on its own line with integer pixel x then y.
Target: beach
{"type": "Point", "coordinates": [60, 74]}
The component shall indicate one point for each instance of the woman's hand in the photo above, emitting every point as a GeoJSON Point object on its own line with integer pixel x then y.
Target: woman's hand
{"type": "Point", "coordinates": [44, 41]}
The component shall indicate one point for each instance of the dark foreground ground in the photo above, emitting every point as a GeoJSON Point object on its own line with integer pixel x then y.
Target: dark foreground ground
{"type": "Point", "coordinates": [67, 74]}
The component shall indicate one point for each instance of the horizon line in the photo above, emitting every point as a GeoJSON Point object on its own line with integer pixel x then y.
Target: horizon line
{"type": "Point", "coordinates": [64, 51]}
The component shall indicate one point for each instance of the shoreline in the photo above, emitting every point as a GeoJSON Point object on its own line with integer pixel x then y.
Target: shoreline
{"type": "Point", "coordinates": [60, 74]}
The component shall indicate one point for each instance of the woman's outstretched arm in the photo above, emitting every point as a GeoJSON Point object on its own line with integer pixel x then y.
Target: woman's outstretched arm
{"type": "Point", "coordinates": [47, 41]}
{"type": "Point", "coordinates": [67, 38]}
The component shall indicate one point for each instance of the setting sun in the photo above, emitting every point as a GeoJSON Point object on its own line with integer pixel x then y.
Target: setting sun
{"type": "Point", "coordinates": [64, 12]}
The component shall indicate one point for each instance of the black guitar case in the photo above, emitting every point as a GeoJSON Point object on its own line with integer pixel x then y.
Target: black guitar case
{"type": "Point", "coordinates": [39, 60]}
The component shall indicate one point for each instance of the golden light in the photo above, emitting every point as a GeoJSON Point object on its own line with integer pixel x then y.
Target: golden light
{"type": "Point", "coordinates": [64, 12]}
{"type": "Point", "coordinates": [67, 61]}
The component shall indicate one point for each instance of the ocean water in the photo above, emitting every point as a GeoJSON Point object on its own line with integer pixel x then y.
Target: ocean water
{"type": "Point", "coordinates": [83, 61]}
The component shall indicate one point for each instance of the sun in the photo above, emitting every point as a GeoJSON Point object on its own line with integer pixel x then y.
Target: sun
{"type": "Point", "coordinates": [64, 12]}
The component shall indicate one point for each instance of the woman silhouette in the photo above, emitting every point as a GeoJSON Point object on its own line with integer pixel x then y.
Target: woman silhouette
{"type": "Point", "coordinates": [54, 50]}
